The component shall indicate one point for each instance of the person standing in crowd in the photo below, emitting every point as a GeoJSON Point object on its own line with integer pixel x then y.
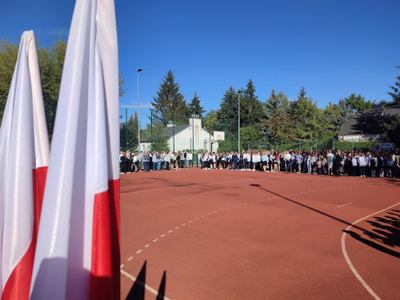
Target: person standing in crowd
{"type": "Point", "coordinates": [390, 163]}
{"type": "Point", "coordinates": [178, 161]}
{"type": "Point", "coordinates": [167, 160]}
{"type": "Point", "coordinates": [298, 159]}
{"type": "Point", "coordinates": [373, 164]}
{"type": "Point", "coordinates": [190, 159]}
{"type": "Point", "coordinates": [235, 161]}
{"type": "Point", "coordinates": [362, 164]}
{"type": "Point", "coordinates": [330, 157]}
{"type": "Point", "coordinates": [264, 161]}
{"type": "Point", "coordinates": [147, 161]}
{"type": "Point", "coordinates": [140, 159]}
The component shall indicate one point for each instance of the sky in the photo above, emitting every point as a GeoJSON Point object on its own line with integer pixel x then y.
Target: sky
{"type": "Point", "coordinates": [332, 48]}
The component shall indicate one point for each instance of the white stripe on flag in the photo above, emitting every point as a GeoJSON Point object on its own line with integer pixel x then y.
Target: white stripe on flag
{"type": "Point", "coordinates": [24, 148]}
{"type": "Point", "coordinates": [83, 163]}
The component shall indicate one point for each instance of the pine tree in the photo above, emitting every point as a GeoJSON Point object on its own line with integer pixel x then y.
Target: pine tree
{"type": "Point", "coordinates": [302, 93]}
{"type": "Point", "coordinates": [229, 105]}
{"type": "Point", "coordinates": [251, 109]}
{"type": "Point", "coordinates": [194, 107]}
{"type": "Point", "coordinates": [169, 100]}
{"type": "Point", "coordinates": [396, 92]}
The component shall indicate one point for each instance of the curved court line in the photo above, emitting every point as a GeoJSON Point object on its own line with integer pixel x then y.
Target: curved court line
{"type": "Point", "coordinates": [346, 256]}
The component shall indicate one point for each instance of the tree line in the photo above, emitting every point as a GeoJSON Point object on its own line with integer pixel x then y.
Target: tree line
{"type": "Point", "coordinates": [274, 120]}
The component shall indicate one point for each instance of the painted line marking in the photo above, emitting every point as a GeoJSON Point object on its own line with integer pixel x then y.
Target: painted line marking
{"type": "Point", "coordinates": [344, 204]}
{"type": "Point", "coordinates": [184, 224]}
{"type": "Point", "coordinates": [215, 211]}
{"type": "Point", "coordinates": [170, 231]}
{"type": "Point", "coordinates": [209, 213]}
{"type": "Point", "coordinates": [151, 290]}
{"type": "Point", "coordinates": [162, 235]}
{"type": "Point", "coordinates": [147, 246]}
{"type": "Point", "coordinates": [155, 240]}
{"type": "Point", "coordinates": [203, 216]}
{"type": "Point", "coordinates": [122, 266]}
{"type": "Point", "coordinates": [137, 252]}
{"type": "Point", "coordinates": [177, 227]}
{"type": "Point", "coordinates": [347, 258]}
{"type": "Point", "coordinates": [196, 219]}
{"type": "Point", "coordinates": [190, 221]}
{"type": "Point", "coordinates": [130, 258]}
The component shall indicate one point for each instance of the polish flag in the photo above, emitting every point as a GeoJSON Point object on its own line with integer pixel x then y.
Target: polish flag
{"type": "Point", "coordinates": [78, 249]}
{"type": "Point", "coordinates": [24, 157]}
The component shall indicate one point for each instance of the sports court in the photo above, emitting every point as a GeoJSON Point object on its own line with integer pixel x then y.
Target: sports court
{"type": "Point", "coordinates": [222, 234]}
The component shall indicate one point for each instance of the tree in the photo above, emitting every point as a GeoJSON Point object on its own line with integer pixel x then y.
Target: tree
{"type": "Point", "coordinates": [396, 92]}
{"type": "Point", "coordinates": [229, 105]}
{"type": "Point", "coordinates": [168, 100]}
{"type": "Point", "coordinates": [358, 103]}
{"type": "Point", "coordinates": [392, 131]}
{"type": "Point", "coordinates": [194, 107]}
{"type": "Point", "coordinates": [157, 136]}
{"type": "Point", "coordinates": [274, 103]}
{"type": "Point", "coordinates": [8, 58]}
{"type": "Point", "coordinates": [129, 137]}
{"type": "Point", "coordinates": [250, 107]}
{"type": "Point", "coordinates": [308, 118]}
{"type": "Point", "coordinates": [51, 63]}
{"type": "Point", "coordinates": [302, 93]}
{"type": "Point", "coordinates": [282, 127]}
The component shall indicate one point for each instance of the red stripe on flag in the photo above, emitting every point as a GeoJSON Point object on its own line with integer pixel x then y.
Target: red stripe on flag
{"type": "Point", "coordinates": [18, 284]}
{"type": "Point", "coordinates": [39, 181]}
{"type": "Point", "coordinates": [104, 282]}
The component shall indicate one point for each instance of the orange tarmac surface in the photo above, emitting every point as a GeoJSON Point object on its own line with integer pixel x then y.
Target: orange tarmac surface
{"type": "Point", "coordinates": [220, 234]}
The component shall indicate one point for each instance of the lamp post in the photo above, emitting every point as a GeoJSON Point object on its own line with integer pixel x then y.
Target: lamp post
{"type": "Point", "coordinates": [239, 92]}
{"type": "Point", "coordinates": [138, 108]}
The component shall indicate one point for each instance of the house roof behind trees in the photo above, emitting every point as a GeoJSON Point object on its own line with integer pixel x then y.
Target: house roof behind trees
{"type": "Point", "coordinates": [369, 122]}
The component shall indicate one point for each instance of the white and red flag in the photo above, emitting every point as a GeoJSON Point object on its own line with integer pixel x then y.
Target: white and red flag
{"type": "Point", "coordinates": [78, 249]}
{"type": "Point", "coordinates": [24, 156]}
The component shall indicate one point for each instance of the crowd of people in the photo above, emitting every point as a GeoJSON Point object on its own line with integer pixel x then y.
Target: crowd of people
{"type": "Point", "coordinates": [361, 163]}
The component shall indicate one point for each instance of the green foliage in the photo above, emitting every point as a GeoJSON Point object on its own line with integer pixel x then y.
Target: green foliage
{"type": "Point", "coordinates": [396, 92]}
{"type": "Point", "coordinates": [229, 105]}
{"type": "Point", "coordinates": [194, 107]}
{"type": "Point", "coordinates": [129, 139]}
{"type": "Point", "coordinates": [157, 136]}
{"type": "Point", "coordinates": [8, 58]}
{"type": "Point", "coordinates": [169, 99]}
{"type": "Point", "coordinates": [249, 135]}
{"type": "Point", "coordinates": [358, 103]}
{"type": "Point", "coordinates": [348, 146]}
{"type": "Point", "coordinates": [308, 118]}
{"type": "Point", "coordinates": [251, 109]}
{"type": "Point", "coordinates": [392, 131]}
{"type": "Point", "coordinates": [51, 61]}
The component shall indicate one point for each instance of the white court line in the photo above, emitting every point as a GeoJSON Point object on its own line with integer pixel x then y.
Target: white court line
{"type": "Point", "coordinates": [344, 204]}
{"type": "Point", "coordinates": [137, 252]}
{"type": "Point", "coordinates": [346, 256]}
{"type": "Point", "coordinates": [162, 235]}
{"type": "Point", "coordinates": [155, 240]}
{"type": "Point", "coordinates": [150, 289]}
{"type": "Point", "coordinates": [130, 258]}
{"type": "Point", "coordinates": [170, 231]}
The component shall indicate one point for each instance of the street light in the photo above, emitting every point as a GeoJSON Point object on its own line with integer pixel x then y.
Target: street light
{"type": "Point", "coordinates": [138, 108]}
{"type": "Point", "coordinates": [239, 92]}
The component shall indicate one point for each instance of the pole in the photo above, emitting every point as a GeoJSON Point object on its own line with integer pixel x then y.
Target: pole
{"type": "Point", "coordinates": [333, 143]}
{"type": "Point", "coordinates": [151, 127]}
{"type": "Point", "coordinates": [225, 136]}
{"type": "Point", "coordinates": [316, 144]}
{"type": "Point", "coordinates": [138, 108]}
{"type": "Point", "coordinates": [126, 129]}
{"type": "Point", "coordinates": [239, 120]}
{"type": "Point", "coordinates": [192, 134]}
{"type": "Point", "coordinates": [300, 144]}
{"type": "Point", "coordinates": [285, 144]}
{"type": "Point", "coordinates": [173, 132]}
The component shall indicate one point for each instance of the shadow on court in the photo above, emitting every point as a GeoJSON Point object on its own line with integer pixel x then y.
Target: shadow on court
{"type": "Point", "coordinates": [385, 236]}
{"type": "Point", "coordinates": [137, 291]}
{"type": "Point", "coordinates": [385, 233]}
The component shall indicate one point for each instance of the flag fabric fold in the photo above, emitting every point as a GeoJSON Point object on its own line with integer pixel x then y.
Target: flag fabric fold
{"type": "Point", "coordinates": [77, 254]}
{"type": "Point", "coordinates": [24, 155]}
